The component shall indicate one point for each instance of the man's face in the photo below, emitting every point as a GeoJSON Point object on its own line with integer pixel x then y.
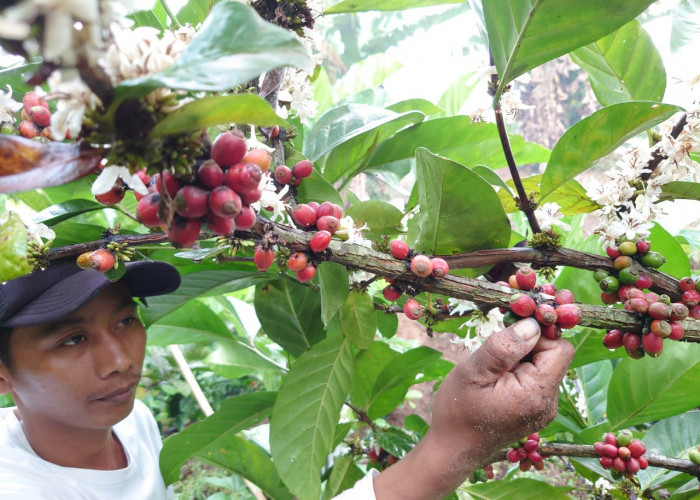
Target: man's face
{"type": "Point", "coordinates": [80, 372]}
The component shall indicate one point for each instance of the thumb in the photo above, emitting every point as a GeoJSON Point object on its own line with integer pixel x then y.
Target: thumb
{"type": "Point", "coordinates": [503, 350]}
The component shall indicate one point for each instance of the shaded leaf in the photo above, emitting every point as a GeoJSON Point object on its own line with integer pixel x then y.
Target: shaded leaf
{"type": "Point", "coordinates": [597, 135]}
{"type": "Point", "coordinates": [588, 343]}
{"type": "Point", "coordinates": [236, 413]}
{"type": "Point", "coordinates": [594, 379]}
{"type": "Point", "coordinates": [290, 314]}
{"type": "Point", "coordinates": [235, 359]}
{"type": "Point", "coordinates": [677, 189]}
{"type": "Point", "coordinates": [373, 5]}
{"type": "Point", "coordinates": [344, 475]}
{"type": "Point", "coordinates": [521, 488]}
{"type": "Point", "coordinates": [66, 210]}
{"type": "Point", "coordinates": [316, 188]}
{"type": "Point", "coordinates": [194, 322]}
{"type": "Point", "coordinates": [305, 415]}
{"type": "Point", "coordinates": [452, 100]}
{"type": "Point", "coordinates": [368, 365]}
{"type": "Point", "coordinates": [383, 218]}
{"type": "Point", "coordinates": [335, 286]}
{"type": "Point", "coordinates": [358, 320]}
{"type": "Point", "coordinates": [677, 262]}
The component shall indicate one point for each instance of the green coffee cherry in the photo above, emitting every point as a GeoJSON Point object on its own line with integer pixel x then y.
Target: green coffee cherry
{"type": "Point", "coordinates": [600, 274]}
{"type": "Point", "coordinates": [609, 284]}
{"type": "Point", "coordinates": [628, 248]}
{"type": "Point", "coordinates": [652, 259]}
{"type": "Point", "coordinates": [628, 276]}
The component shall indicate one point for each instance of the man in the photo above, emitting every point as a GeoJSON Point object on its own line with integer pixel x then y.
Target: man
{"type": "Point", "coordinates": [71, 351]}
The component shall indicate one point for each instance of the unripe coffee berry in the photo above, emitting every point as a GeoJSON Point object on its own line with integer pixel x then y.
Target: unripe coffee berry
{"type": "Point", "coordinates": [421, 266]}
{"type": "Point", "coordinates": [628, 248]}
{"type": "Point", "coordinates": [412, 309]}
{"type": "Point", "coordinates": [628, 276]}
{"type": "Point", "coordinates": [622, 262]}
{"type": "Point", "coordinates": [399, 249]}
{"type": "Point", "coordinates": [609, 284]}
{"type": "Point", "coordinates": [652, 259]}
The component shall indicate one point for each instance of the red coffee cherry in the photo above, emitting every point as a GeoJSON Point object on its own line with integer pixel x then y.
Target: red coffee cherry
{"type": "Point", "coordinates": [302, 169]}
{"type": "Point", "coordinates": [147, 210]}
{"type": "Point", "coordinates": [325, 208]}
{"type": "Point", "coordinates": [283, 174]}
{"type": "Point", "coordinates": [440, 267]}
{"type": "Point", "coordinates": [225, 202]}
{"type": "Point", "coordinates": [679, 311]}
{"type": "Point", "coordinates": [297, 261]}
{"type": "Point", "coordinates": [637, 448]}
{"type": "Point", "coordinates": [327, 223]}
{"type": "Point", "coordinates": [545, 314]}
{"type": "Point", "coordinates": [549, 289]}
{"type": "Point", "coordinates": [677, 330]}
{"type": "Point", "coordinates": [306, 274]}
{"type": "Point", "coordinates": [102, 260]}
{"type": "Point", "coordinates": [172, 183]}
{"type": "Point", "coordinates": [653, 344]}
{"type": "Point", "coordinates": [391, 294]}
{"type": "Point", "coordinates": [32, 99]}
{"type": "Point", "coordinates": [399, 249]}
{"type": "Point", "coordinates": [220, 225]}
{"type": "Point", "coordinates": [551, 332]}
{"type": "Point", "coordinates": [564, 296]}
{"type": "Point", "coordinates": [522, 305]}
{"type": "Point", "coordinates": [613, 339]}
{"type": "Point", "coordinates": [191, 202]}
{"type": "Point", "coordinates": [643, 246]}
{"type": "Point", "coordinates": [687, 283]}
{"type": "Point", "coordinates": [643, 282]}
{"type": "Point", "coordinates": [304, 215]}
{"type": "Point", "coordinates": [184, 232]}
{"type": "Point", "coordinates": [111, 197]}
{"type": "Point", "coordinates": [568, 316]}
{"type": "Point", "coordinates": [263, 258]}
{"type": "Point", "coordinates": [526, 278]}
{"type": "Point", "coordinates": [659, 310]}
{"type": "Point", "coordinates": [245, 218]}
{"type": "Point", "coordinates": [40, 115]}
{"type": "Point", "coordinates": [613, 252]}
{"type": "Point", "coordinates": [210, 174]}
{"type": "Point", "coordinates": [412, 309]}
{"type": "Point", "coordinates": [229, 148]}
{"type": "Point", "coordinates": [421, 266]}
{"type": "Point", "coordinates": [320, 241]}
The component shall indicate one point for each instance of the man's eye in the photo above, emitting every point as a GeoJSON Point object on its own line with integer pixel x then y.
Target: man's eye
{"type": "Point", "coordinates": [74, 340]}
{"type": "Point", "coordinates": [130, 321]}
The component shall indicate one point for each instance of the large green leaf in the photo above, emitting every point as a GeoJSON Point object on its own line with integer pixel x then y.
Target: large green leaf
{"type": "Point", "coordinates": [335, 286]}
{"type": "Point", "coordinates": [290, 314]}
{"type": "Point", "coordinates": [588, 343]}
{"type": "Point", "coordinates": [233, 46]}
{"type": "Point", "coordinates": [570, 196]}
{"type": "Point", "coordinates": [235, 359]}
{"type": "Point", "coordinates": [372, 5]}
{"type": "Point", "coordinates": [63, 211]}
{"type": "Point", "coordinates": [358, 321]}
{"type": "Point", "coordinates": [594, 379]}
{"type": "Point", "coordinates": [677, 262]}
{"type": "Point", "coordinates": [191, 323]}
{"type": "Point", "coordinates": [459, 211]}
{"type": "Point", "coordinates": [203, 283]}
{"type": "Point", "coordinates": [423, 105]}
{"type": "Point", "coordinates": [195, 11]}
{"type": "Point", "coordinates": [597, 135]}
{"type": "Point", "coordinates": [305, 415]}
{"type": "Point", "coordinates": [250, 461]}
{"type": "Point", "coordinates": [316, 188]}
{"type": "Point", "coordinates": [678, 189]}
{"type": "Point", "coordinates": [459, 139]}
{"type": "Point", "coordinates": [655, 388]}
{"type": "Point", "coordinates": [396, 377]}
{"type": "Point", "coordinates": [383, 218]}
{"type": "Point", "coordinates": [215, 110]}
{"type": "Point", "coordinates": [670, 437]}
{"type": "Point", "coordinates": [452, 99]}
{"type": "Point", "coordinates": [368, 365]}
{"type": "Point", "coordinates": [13, 249]}
{"type": "Point", "coordinates": [344, 475]}
{"type": "Point", "coordinates": [526, 33]}
{"type": "Point", "coordinates": [155, 18]}
{"type": "Point", "coordinates": [521, 488]}
{"type": "Point", "coordinates": [236, 413]}
{"type": "Point", "coordinates": [624, 66]}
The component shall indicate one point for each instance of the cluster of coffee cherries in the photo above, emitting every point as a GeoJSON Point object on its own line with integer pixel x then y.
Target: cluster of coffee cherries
{"type": "Point", "coordinates": [35, 119]}
{"type": "Point", "coordinates": [525, 453]}
{"type": "Point", "coordinates": [622, 453]}
{"type": "Point", "coordinates": [381, 457]}
{"type": "Point", "coordinates": [553, 315]}
{"type": "Point", "coordinates": [694, 456]}
{"type": "Point", "coordinates": [614, 285]}
{"type": "Point", "coordinates": [422, 266]}
{"type": "Point", "coordinates": [324, 220]}
{"type": "Point", "coordinates": [483, 474]}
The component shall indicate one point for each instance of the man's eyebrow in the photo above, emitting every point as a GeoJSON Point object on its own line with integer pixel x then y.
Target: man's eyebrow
{"type": "Point", "coordinates": [79, 320]}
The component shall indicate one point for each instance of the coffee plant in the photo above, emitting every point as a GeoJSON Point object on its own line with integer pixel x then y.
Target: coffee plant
{"type": "Point", "coordinates": [190, 137]}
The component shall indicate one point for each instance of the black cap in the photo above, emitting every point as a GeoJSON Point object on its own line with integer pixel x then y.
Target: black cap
{"type": "Point", "coordinates": [62, 288]}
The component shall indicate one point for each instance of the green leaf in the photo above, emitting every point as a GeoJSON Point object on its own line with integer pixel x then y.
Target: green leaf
{"type": "Point", "coordinates": [594, 379]}
{"type": "Point", "coordinates": [598, 135]}
{"type": "Point", "coordinates": [235, 359]}
{"type": "Point", "coordinates": [395, 441]}
{"type": "Point", "coordinates": [233, 46]}
{"type": "Point", "coordinates": [13, 249]}
{"type": "Point", "coordinates": [684, 24]}
{"type": "Point", "coordinates": [344, 475]}
{"type": "Point", "coordinates": [16, 77]}
{"type": "Point", "coordinates": [358, 321]}
{"type": "Point", "coordinates": [306, 413]}
{"type": "Point", "coordinates": [670, 437]}
{"type": "Point", "coordinates": [423, 105]}
{"type": "Point", "coordinates": [396, 377]}
{"type": "Point", "coordinates": [623, 66]}
{"type": "Point", "coordinates": [236, 413]}
{"type": "Point", "coordinates": [383, 218]}
{"type": "Point", "coordinates": [677, 189]}
{"type": "Point", "coordinates": [368, 366]}
{"type": "Point", "coordinates": [677, 263]}
{"type": "Point", "coordinates": [445, 208]}
{"type": "Point", "coordinates": [335, 287]}
{"type": "Point", "coordinates": [521, 488]}
{"type": "Point", "coordinates": [203, 283]}
{"type": "Point", "coordinates": [290, 314]}
{"type": "Point", "coordinates": [453, 99]}
{"type": "Point", "coordinates": [195, 11]}
{"type": "Point", "coordinates": [588, 343]}
{"type": "Point", "coordinates": [526, 33]}
{"type": "Point", "coordinates": [316, 188]}
{"type": "Point", "coordinates": [654, 388]}
{"type": "Point", "coordinates": [68, 233]}
{"type": "Point", "coordinates": [216, 110]}
{"type": "Point", "coordinates": [387, 324]}
{"type": "Point", "coordinates": [571, 196]}
{"type": "Point", "coordinates": [460, 140]}
{"type": "Point", "coordinates": [379, 5]}
{"type": "Point", "coordinates": [248, 460]}
{"type": "Point", "coordinates": [155, 18]}
{"type": "Point", "coordinates": [194, 322]}
{"type": "Point", "coordinates": [62, 211]}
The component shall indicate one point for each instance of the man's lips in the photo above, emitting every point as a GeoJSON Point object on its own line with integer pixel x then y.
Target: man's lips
{"type": "Point", "coordinates": [117, 393]}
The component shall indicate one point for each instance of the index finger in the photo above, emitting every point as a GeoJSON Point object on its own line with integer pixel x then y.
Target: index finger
{"type": "Point", "coordinates": [552, 358]}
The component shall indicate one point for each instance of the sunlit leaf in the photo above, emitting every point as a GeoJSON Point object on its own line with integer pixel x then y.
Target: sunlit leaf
{"type": "Point", "coordinates": [372, 5]}
{"type": "Point", "coordinates": [13, 249]}
{"type": "Point", "coordinates": [358, 320]}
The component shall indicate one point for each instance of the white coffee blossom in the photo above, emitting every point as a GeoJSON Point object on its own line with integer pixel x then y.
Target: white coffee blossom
{"type": "Point", "coordinates": [8, 106]}
{"type": "Point", "coordinates": [459, 307]}
{"type": "Point", "coordinates": [347, 227]}
{"type": "Point", "coordinates": [603, 486]}
{"type": "Point", "coordinates": [109, 176]}
{"type": "Point", "coordinates": [36, 231]}
{"type": "Point", "coordinates": [549, 214]}
{"type": "Point", "coordinates": [482, 325]}
{"type": "Point", "coordinates": [296, 93]}
{"type": "Point", "coordinates": [270, 199]}
{"type": "Point", "coordinates": [73, 98]}
{"type": "Point", "coordinates": [254, 143]}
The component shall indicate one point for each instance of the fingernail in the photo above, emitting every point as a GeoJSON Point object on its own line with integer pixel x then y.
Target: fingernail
{"type": "Point", "coordinates": [527, 328]}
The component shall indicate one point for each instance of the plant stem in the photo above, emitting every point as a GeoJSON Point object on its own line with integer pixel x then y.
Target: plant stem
{"type": "Point", "coordinates": [525, 205]}
{"type": "Point", "coordinates": [361, 415]}
{"type": "Point", "coordinates": [170, 13]}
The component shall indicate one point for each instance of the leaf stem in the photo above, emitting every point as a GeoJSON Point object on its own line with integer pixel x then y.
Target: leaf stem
{"type": "Point", "coordinates": [170, 14]}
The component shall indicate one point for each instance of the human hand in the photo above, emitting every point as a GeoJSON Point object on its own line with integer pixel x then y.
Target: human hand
{"type": "Point", "coordinates": [503, 391]}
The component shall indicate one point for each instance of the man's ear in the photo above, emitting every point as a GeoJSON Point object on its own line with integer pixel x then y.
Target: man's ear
{"type": "Point", "coordinates": [5, 379]}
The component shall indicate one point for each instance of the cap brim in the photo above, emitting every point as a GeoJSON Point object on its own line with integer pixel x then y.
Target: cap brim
{"type": "Point", "coordinates": [144, 279]}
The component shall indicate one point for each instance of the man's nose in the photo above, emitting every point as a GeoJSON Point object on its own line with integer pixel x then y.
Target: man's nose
{"type": "Point", "coordinates": [111, 354]}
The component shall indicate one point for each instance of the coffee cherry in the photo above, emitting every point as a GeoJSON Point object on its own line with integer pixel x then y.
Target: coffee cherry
{"type": "Point", "coordinates": [622, 262]}
{"type": "Point", "coordinates": [643, 246]}
{"type": "Point", "coordinates": [694, 455]}
{"type": "Point", "coordinates": [632, 466]}
{"type": "Point", "coordinates": [328, 223]}
{"type": "Point", "coordinates": [224, 202]}
{"type": "Point", "coordinates": [653, 344]}
{"type": "Point", "coordinates": [679, 311]}
{"type": "Point", "coordinates": [147, 210]}
{"type": "Point", "coordinates": [243, 177]}
{"type": "Point", "coordinates": [102, 260]}
{"type": "Point", "coordinates": [606, 462]}
{"type": "Point", "coordinates": [320, 241]}
{"type": "Point", "coordinates": [32, 99]}
{"type": "Point", "coordinates": [619, 464]}
{"type": "Point", "coordinates": [210, 174]}
{"type": "Point", "coordinates": [637, 305]}
{"type": "Point", "coordinates": [513, 282]}
{"type": "Point", "coordinates": [637, 448]}
{"type": "Point", "coordinates": [522, 305]}
{"type": "Point", "coordinates": [624, 437]}
{"type": "Point", "coordinates": [695, 312]}
{"type": "Point", "coordinates": [660, 328]}
{"type": "Point", "coordinates": [412, 309]}
{"type": "Point", "coordinates": [530, 445]}
{"type": "Point", "coordinates": [315, 207]}
{"type": "Point", "coordinates": [643, 282]}
{"type": "Point", "coordinates": [623, 292]}
{"type": "Point", "coordinates": [399, 249]}
{"type": "Point", "coordinates": [627, 248]}
{"type": "Point", "coordinates": [297, 261]}
{"type": "Point", "coordinates": [306, 274]}
{"type": "Point", "coordinates": [304, 215]}
{"type": "Point", "coordinates": [184, 232]}
{"type": "Point", "coordinates": [677, 330]}
{"type": "Point", "coordinates": [40, 115]}
{"type": "Point", "coordinates": [250, 196]}
{"type": "Point", "coordinates": [245, 218]}
{"type": "Point", "coordinates": [652, 259]}
{"type": "Point", "coordinates": [610, 450]}
{"type": "Point", "coordinates": [635, 293]}
{"type": "Point", "coordinates": [600, 274]}
{"type": "Point", "coordinates": [691, 298]}
{"type": "Point", "coordinates": [526, 278]}
{"type": "Point", "coordinates": [609, 284]}
{"type": "Point", "coordinates": [259, 157]}
{"type": "Point", "coordinates": [548, 289]}
{"type": "Point", "coordinates": [440, 267]}
{"type": "Point", "coordinates": [631, 341]}
{"type": "Point", "coordinates": [421, 266]}
{"type": "Point", "coordinates": [687, 283]}
{"type": "Point", "coordinates": [191, 202]}
{"type": "Point", "coordinates": [221, 226]}
{"type": "Point", "coordinates": [613, 339]}
{"type": "Point", "coordinates": [608, 298]}
{"type": "Point", "coordinates": [172, 183]}
{"type": "Point", "coordinates": [513, 456]}
{"type": "Point", "coordinates": [613, 252]}
{"type": "Point", "coordinates": [545, 314]}
{"type": "Point", "coordinates": [229, 148]}
{"type": "Point", "coordinates": [564, 296]}
{"type": "Point", "coordinates": [111, 197]}
{"type": "Point", "coordinates": [283, 174]}
{"type": "Point", "coordinates": [568, 316]}
{"type": "Point", "coordinates": [628, 276]}
{"type": "Point", "coordinates": [302, 169]}
{"type": "Point", "coordinates": [263, 258]}
{"type": "Point", "coordinates": [659, 310]}
{"type": "Point", "coordinates": [391, 294]}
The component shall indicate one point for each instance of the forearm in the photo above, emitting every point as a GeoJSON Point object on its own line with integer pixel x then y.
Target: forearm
{"type": "Point", "coordinates": [434, 468]}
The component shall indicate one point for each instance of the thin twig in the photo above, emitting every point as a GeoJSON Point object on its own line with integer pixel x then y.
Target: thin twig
{"type": "Point", "coordinates": [361, 415]}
